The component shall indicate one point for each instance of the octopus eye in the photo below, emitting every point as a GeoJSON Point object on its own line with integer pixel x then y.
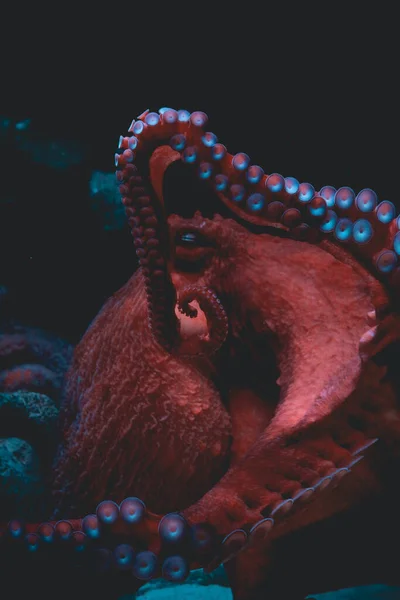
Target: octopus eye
{"type": "Point", "coordinates": [188, 238]}
{"type": "Point", "coordinates": [192, 249]}
{"type": "Point", "coordinates": [192, 238]}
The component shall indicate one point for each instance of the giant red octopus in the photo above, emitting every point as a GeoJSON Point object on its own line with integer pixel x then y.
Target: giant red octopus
{"type": "Point", "coordinates": [217, 401]}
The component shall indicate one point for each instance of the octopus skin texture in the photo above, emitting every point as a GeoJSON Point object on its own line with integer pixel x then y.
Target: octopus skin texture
{"type": "Point", "coordinates": [143, 392]}
{"type": "Point", "coordinates": [235, 379]}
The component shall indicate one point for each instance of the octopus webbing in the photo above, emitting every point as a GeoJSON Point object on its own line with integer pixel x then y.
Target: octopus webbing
{"type": "Point", "coordinates": [234, 380]}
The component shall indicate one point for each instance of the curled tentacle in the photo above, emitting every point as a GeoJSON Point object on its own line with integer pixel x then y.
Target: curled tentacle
{"type": "Point", "coordinates": [369, 229]}
{"type": "Point", "coordinates": [140, 208]}
{"type": "Point", "coordinates": [144, 212]}
{"type": "Point", "coordinates": [210, 304]}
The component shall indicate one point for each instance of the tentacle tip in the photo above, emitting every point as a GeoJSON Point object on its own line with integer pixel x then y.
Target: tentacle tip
{"type": "Point", "coordinates": [143, 115]}
{"type": "Point", "coordinates": [365, 446]}
{"type": "Point", "coordinates": [368, 336]}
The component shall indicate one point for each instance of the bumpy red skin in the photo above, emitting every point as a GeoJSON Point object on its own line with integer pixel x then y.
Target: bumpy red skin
{"type": "Point", "coordinates": [134, 411]}
{"type": "Point", "coordinates": [155, 424]}
{"type": "Point", "coordinates": [312, 302]}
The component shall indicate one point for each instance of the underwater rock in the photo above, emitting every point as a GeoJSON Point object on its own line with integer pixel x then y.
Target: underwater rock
{"type": "Point", "coordinates": [28, 425]}
{"type": "Point", "coordinates": [18, 409]}
{"type": "Point", "coordinates": [185, 592]}
{"type": "Point", "coordinates": [22, 488]}
{"type": "Point", "coordinates": [198, 586]}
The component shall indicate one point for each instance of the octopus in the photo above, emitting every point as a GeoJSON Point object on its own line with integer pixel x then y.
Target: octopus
{"type": "Point", "coordinates": [239, 391]}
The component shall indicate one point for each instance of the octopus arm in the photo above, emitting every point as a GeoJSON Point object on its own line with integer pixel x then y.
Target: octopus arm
{"type": "Point", "coordinates": [317, 325]}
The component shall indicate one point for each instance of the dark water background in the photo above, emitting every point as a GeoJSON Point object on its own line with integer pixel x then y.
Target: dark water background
{"type": "Point", "coordinates": [315, 101]}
